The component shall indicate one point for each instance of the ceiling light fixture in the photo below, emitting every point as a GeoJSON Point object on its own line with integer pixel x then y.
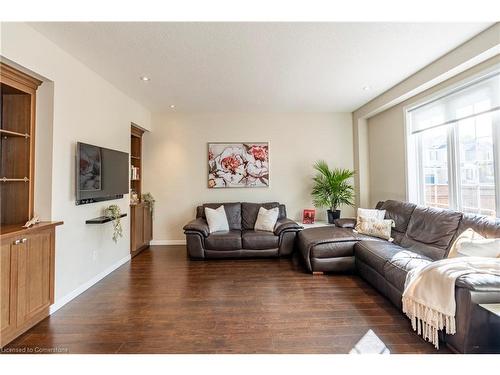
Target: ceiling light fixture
{"type": "Point", "coordinates": [145, 79]}
{"type": "Point", "coordinates": [172, 106]}
{"type": "Point", "coordinates": [366, 88]}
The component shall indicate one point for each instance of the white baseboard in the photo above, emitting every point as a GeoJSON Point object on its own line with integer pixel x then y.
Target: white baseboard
{"type": "Point", "coordinates": [168, 242]}
{"type": "Point", "coordinates": [82, 288]}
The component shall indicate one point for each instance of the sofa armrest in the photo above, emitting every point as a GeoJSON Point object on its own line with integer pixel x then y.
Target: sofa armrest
{"type": "Point", "coordinates": [479, 283]}
{"type": "Point", "coordinates": [286, 224]}
{"type": "Point", "coordinates": [345, 223]}
{"type": "Point", "coordinates": [198, 225]}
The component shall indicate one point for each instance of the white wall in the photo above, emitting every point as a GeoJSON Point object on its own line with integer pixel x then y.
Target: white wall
{"type": "Point", "coordinates": [85, 108]}
{"type": "Point", "coordinates": [175, 157]}
{"type": "Point", "coordinates": [386, 140]}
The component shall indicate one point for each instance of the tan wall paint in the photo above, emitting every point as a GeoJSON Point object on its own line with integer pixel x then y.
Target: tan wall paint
{"type": "Point", "coordinates": [386, 139]}
{"type": "Point", "coordinates": [386, 156]}
{"type": "Point", "coordinates": [175, 157]}
{"type": "Point", "coordinates": [361, 161]}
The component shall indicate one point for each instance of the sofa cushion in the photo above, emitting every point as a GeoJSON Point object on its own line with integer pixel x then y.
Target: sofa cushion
{"type": "Point", "coordinates": [230, 240]}
{"type": "Point", "coordinates": [433, 226]}
{"type": "Point", "coordinates": [376, 253]}
{"type": "Point", "coordinates": [249, 212]}
{"type": "Point", "coordinates": [216, 219]}
{"type": "Point", "coordinates": [397, 267]}
{"type": "Point", "coordinates": [282, 211]}
{"type": "Point", "coordinates": [337, 249]}
{"type": "Point", "coordinates": [259, 240]}
{"type": "Point", "coordinates": [233, 213]}
{"type": "Point", "coordinates": [375, 227]}
{"type": "Point", "coordinates": [312, 236]}
{"type": "Point", "coordinates": [400, 212]}
{"type": "Point", "coordinates": [429, 251]}
{"type": "Point", "coordinates": [266, 219]}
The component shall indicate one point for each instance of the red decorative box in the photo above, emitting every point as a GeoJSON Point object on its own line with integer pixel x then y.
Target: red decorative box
{"type": "Point", "coordinates": [308, 216]}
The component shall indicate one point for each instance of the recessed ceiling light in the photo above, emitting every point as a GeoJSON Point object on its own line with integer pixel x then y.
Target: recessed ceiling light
{"type": "Point", "coordinates": [172, 106]}
{"type": "Point", "coordinates": [145, 79]}
{"type": "Point", "coordinates": [366, 88]}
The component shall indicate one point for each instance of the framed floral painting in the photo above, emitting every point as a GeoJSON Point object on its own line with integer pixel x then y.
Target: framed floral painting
{"type": "Point", "coordinates": [238, 165]}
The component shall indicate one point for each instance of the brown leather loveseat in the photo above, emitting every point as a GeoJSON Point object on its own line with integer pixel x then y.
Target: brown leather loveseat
{"type": "Point", "coordinates": [241, 240]}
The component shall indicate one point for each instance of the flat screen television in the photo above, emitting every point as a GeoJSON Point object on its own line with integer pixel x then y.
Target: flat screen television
{"type": "Point", "coordinates": [101, 174]}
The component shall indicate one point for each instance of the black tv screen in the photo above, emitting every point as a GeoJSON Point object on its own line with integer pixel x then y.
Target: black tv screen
{"type": "Point", "coordinates": [101, 173]}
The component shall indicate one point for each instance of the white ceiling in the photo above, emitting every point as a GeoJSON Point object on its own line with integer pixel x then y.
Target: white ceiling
{"type": "Point", "coordinates": [232, 67]}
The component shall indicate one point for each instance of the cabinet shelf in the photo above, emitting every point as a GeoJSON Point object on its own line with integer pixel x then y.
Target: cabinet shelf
{"type": "Point", "coordinates": [102, 219]}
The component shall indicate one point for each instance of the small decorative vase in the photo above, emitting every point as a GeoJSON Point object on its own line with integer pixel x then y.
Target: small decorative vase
{"type": "Point", "coordinates": [333, 215]}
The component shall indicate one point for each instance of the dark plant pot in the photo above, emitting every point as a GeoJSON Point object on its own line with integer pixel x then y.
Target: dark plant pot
{"type": "Point", "coordinates": [333, 215]}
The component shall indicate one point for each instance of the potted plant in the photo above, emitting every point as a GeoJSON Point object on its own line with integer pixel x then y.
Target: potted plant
{"type": "Point", "coordinates": [150, 200]}
{"type": "Point", "coordinates": [114, 213]}
{"type": "Point", "coordinates": [332, 189]}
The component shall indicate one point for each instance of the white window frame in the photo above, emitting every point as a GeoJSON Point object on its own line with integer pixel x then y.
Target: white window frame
{"type": "Point", "coordinates": [413, 157]}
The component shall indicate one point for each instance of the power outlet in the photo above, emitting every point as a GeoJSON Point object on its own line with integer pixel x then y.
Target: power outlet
{"type": "Point", "coordinates": [94, 255]}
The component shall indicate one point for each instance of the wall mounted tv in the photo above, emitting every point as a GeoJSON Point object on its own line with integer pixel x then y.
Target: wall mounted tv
{"type": "Point", "coordinates": [101, 174]}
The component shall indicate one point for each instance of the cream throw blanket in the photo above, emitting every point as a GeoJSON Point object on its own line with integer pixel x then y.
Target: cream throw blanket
{"type": "Point", "coordinates": [429, 295]}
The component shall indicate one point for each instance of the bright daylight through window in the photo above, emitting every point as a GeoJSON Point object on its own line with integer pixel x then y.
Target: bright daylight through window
{"type": "Point", "coordinates": [453, 148]}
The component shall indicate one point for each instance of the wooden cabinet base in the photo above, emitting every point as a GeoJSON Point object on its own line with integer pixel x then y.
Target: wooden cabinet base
{"type": "Point", "coordinates": [141, 227]}
{"type": "Point", "coordinates": [10, 335]}
{"type": "Point", "coordinates": [27, 262]}
{"type": "Point", "coordinates": [137, 251]}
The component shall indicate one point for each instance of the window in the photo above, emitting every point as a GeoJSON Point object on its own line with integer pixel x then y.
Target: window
{"type": "Point", "coordinates": [453, 148]}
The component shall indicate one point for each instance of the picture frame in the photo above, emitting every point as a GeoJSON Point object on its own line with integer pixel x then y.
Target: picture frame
{"type": "Point", "coordinates": [308, 216]}
{"type": "Point", "coordinates": [238, 165]}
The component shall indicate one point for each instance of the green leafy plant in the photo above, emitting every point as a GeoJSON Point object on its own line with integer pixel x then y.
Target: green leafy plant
{"type": "Point", "coordinates": [332, 187]}
{"type": "Point", "coordinates": [149, 199]}
{"type": "Point", "coordinates": [114, 213]}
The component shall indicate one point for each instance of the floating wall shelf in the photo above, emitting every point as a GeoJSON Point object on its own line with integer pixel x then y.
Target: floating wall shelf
{"type": "Point", "coordinates": [101, 219]}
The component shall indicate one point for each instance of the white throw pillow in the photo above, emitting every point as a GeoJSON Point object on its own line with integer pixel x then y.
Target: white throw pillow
{"type": "Point", "coordinates": [368, 213]}
{"type": "Point", "coordinates": [472, 244]}
{"type": "Point", "coordinates": [216, 219]}
{"type": "Point", "coordinates": [375, 227]}
{"type": "Point", "coordinates": [266, 219]}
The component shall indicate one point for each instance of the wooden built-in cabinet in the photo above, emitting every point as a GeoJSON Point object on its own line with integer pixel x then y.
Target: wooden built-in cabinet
{"type": "Point", "coordinates": [136, 159]}
{"type": "Point", "coordinates": [27, 277]}
{"type": "Point", "coordinates": [141, 215]}
{"type": "Point", "coordinates": [17, 145]}
{"type": "Point", "coordinates": [141, 224]}
{"type": "Point", "coordinates": [27, 255]}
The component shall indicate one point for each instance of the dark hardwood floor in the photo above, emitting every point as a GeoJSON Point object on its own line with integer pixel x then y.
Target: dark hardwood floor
{"type": "Point", "coordinates": [161, 302]}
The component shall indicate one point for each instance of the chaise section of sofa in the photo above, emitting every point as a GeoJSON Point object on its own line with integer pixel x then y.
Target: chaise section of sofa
{"type": "Point", "coordinates": [241, 240]}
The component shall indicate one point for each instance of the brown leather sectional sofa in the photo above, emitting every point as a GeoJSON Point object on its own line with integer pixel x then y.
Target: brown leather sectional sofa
{"type": "Point", "coordinates": [421, 235]}
{"type": "Point", "coordinates": [241, 240]}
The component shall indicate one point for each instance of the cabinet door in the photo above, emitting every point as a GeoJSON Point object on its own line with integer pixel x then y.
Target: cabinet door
{"type": "Point", "coordinates": [34, 275]}
{"type": "Point", "coordinates": [138, 227]}
{"type": "Point", "coordinates": [7, 291]}
{"type": "Point", "coordinates": [148, 225]}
